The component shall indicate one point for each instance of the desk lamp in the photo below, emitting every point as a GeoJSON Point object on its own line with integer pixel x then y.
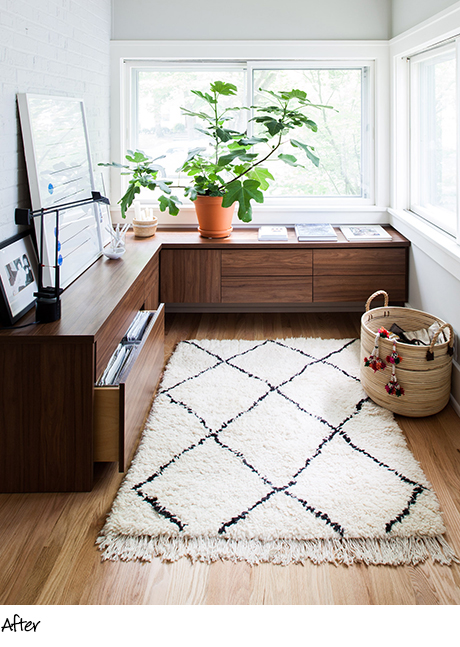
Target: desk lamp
{"type": "Point", "coordinates": [48, 304]}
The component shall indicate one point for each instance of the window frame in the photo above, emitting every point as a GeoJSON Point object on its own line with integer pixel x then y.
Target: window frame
{"type": "Point", "coordinates": [416, 153]}
{"type": "Point", "coordinates": [316, 54]}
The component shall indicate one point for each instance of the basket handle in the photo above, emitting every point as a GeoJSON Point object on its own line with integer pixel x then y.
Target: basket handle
{"type": "Point", "coordinates": [450, 347]}
{"type": "Point", "coordinates": [376, 294]}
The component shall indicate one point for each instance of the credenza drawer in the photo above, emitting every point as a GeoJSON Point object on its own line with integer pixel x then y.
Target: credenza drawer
{"type": "Point", "coordinates": [327, 289]}
{"type": "Point", "coordinates": [355, 261]}
{"type": "Point", "coordinates": [267, 262]}
{"type": "Point", "coordinates": [267, 289]}
{"type": "Point", "coordinates": [120, 410]}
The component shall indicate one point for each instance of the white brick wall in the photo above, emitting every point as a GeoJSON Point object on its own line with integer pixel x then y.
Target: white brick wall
{"type": "Point", "coordinates": [57, 47]}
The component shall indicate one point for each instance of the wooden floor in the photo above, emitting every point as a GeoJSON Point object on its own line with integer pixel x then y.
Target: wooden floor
{"type": "Point", "coordinates": [47, 541]}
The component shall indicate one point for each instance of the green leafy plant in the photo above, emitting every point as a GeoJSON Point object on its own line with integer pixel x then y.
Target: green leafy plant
{"type": "Point", "coordinates": [234, 165]}
{"type": "Point", "coordinates": [144, 173]}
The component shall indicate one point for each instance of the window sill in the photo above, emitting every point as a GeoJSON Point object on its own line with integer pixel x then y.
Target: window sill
{"type": "Point", "coordinates": [286, 215]}
{"type": "Point", "coordinates": [439, 246]}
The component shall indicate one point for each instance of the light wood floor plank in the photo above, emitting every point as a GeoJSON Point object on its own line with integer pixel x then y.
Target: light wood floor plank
{"type": "Point", "coordinates": [47, 541]}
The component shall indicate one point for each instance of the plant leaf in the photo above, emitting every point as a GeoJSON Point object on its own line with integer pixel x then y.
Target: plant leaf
{"type": "Point", "coordinates": [225, 89]}
{"type": "Point", "coordinates": [224, 134]}
{"type": "Point", "coordinates": [229, 157]}
{"type": "Point", "coordinates": [262, 175]}
{"type": "Point", "coordinates": [251, 141]}
{"type": "Point", "coordinates": [205, 96]}
{"type": "Point", "coordinates": [289, 159]}
{"type": "Point", "coordinates": [307, 149]}
{"type": "Point", "coordinates": [127, 200]}
{"type": "Point", "coordinates": [243, 193]}
{"type": "Point", "coordinates": [170, 203]}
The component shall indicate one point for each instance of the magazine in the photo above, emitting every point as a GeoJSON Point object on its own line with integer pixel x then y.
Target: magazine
{"type": "Point", "coordinates": [365, 232]}
{"type": "Point", "coordinates": [273, 233]}
{"type": "Point", "coordinates": [315, 231]}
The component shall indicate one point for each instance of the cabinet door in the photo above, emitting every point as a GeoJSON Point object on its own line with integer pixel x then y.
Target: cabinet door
{"type": "Point", "coordinates": [190, 275]}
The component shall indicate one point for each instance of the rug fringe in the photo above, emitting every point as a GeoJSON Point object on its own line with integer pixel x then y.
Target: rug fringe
{"type": "Point", "coordinates": [394, 551]}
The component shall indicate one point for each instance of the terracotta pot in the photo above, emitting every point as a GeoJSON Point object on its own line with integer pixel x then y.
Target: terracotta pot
{"type": "Point", "coordinates": [214, 220]}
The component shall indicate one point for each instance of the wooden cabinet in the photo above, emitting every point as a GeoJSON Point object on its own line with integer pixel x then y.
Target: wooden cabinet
{"type": "Point", "coordinates": [50, 416]}
{"type": "Point", "coordinates": [190, 275]}
{"type": "Point", "coordinates": [243, 270]}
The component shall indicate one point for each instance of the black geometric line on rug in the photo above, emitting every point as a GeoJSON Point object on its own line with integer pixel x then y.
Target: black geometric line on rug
{"type": "Point", "coordinates": [302, 370]}
{"type": "Point", "coordinates": [271, 388]}
{"type": "Point", "coordinates": [376, 460]}
{"type": "Point", "coordinates": [227, 361]}
{"type": "Point", "coordinates": [316, 360]}
{"type": "Point", "coordinates": [317, 513]}
{"type": "Point", "coordinates": [323, 360]}
{"type": "Point", "coordinates": [153, 501]}
{"type": "Point", "coordinates": [211, 434]}
{"type": "Point", "coordinates": [404, 513]}
{"type": "Point", "coordinates": [221, 361]}
{"type": "Point", "coordinates": [214, 434]}
{"type": "Point", "coordinates": [418, 488]}
{"type": "Point", "coordinates": [292, 482]}
{"type": "Point", "coordinates": [176, 457]}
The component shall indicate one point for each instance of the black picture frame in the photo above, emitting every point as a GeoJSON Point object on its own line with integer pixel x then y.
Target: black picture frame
{"type": "Point", "coordinates": [18, 277]}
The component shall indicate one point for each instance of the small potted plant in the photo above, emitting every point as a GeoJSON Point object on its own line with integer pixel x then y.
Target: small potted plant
{"type": "Point", "coordinates": [232, 169]}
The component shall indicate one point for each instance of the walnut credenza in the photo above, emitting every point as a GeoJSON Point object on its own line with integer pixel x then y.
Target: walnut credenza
{"type": "Point", "coordinates": [242, 270]}
{"type": "Point", "coordinates": [55, 422]}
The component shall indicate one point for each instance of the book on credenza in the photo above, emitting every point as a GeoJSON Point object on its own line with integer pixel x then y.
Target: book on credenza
{"type": "Point", "coordinates": [315, 231]}
{"type": "Point", "coordinates": [365, 232]}
{"type": "Point", "coordinates": [273, 233]}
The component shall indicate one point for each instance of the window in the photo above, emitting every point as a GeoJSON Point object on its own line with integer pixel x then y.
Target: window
{"type": "Point", "coordinates": [159, 93]}
{"type": "Point", "coordinates": [433, 136]}
{"type": "Point", "coordinates": [340, 141]}
{"type": "Point", "coordinates": [343, 142]}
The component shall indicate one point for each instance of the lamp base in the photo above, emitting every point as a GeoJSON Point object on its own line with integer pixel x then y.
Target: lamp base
{"type": "Point", "coordinates": [47, 309]}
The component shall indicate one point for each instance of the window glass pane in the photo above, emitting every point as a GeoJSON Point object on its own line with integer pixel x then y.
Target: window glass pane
{"type": "Point", "coordinates": [338, 141]}
{"type": "Point", "coordinates": [434, 137]}
{"type": "Point", "coordinates": [160, 128]}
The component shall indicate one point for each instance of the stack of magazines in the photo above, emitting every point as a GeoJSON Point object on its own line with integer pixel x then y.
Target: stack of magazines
{"type": "Point", "coordinates": [120, 357]}
{"type": "Point", "coordinates": [116, 365]}
{"type": "Point", "coordinates": [136, 330]}
{"type": "Point", "coordinates": [319, 231]}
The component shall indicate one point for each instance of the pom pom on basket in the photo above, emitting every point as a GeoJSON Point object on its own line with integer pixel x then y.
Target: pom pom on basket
{"type": "Point", "coordinates": [423, 373]}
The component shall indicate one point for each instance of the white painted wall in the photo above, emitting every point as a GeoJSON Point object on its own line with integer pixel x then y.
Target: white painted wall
{"type": "Point", "coordinates": [55, 47]}
{"type": "Point", "coordinates": [408, 13]}
{"type": "Point", "coordinates": [251, 19]}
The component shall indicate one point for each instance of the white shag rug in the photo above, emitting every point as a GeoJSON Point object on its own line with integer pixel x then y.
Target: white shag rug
{"type": "Point", "coordinates": [270, 451]}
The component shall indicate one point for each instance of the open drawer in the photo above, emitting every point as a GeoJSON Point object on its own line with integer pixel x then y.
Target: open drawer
{"type": "Point", "coordinates": [120, 409]}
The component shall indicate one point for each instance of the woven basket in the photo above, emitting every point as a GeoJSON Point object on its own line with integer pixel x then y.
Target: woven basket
{"type": "Point", "coordinates": [424, 372]}
{"type": "Point", "coordinates": [145, 228]}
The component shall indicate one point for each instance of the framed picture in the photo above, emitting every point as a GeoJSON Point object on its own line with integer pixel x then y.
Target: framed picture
{"type": "Point", "coordinates": [18, 277]}
{"type": "Point", "coordinates": [59, 169]}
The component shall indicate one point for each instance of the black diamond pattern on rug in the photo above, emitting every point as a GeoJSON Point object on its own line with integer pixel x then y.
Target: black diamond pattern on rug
{"type": "Point", "coordinates": [268, 476]}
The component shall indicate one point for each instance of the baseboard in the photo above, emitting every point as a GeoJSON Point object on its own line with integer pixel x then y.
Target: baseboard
{"type": "Point", "coordinates": [263, 307]}
{"type": "Point", "coordinates": [455, 390]}
{"type": "Point", "coordinates": [455, 405]}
